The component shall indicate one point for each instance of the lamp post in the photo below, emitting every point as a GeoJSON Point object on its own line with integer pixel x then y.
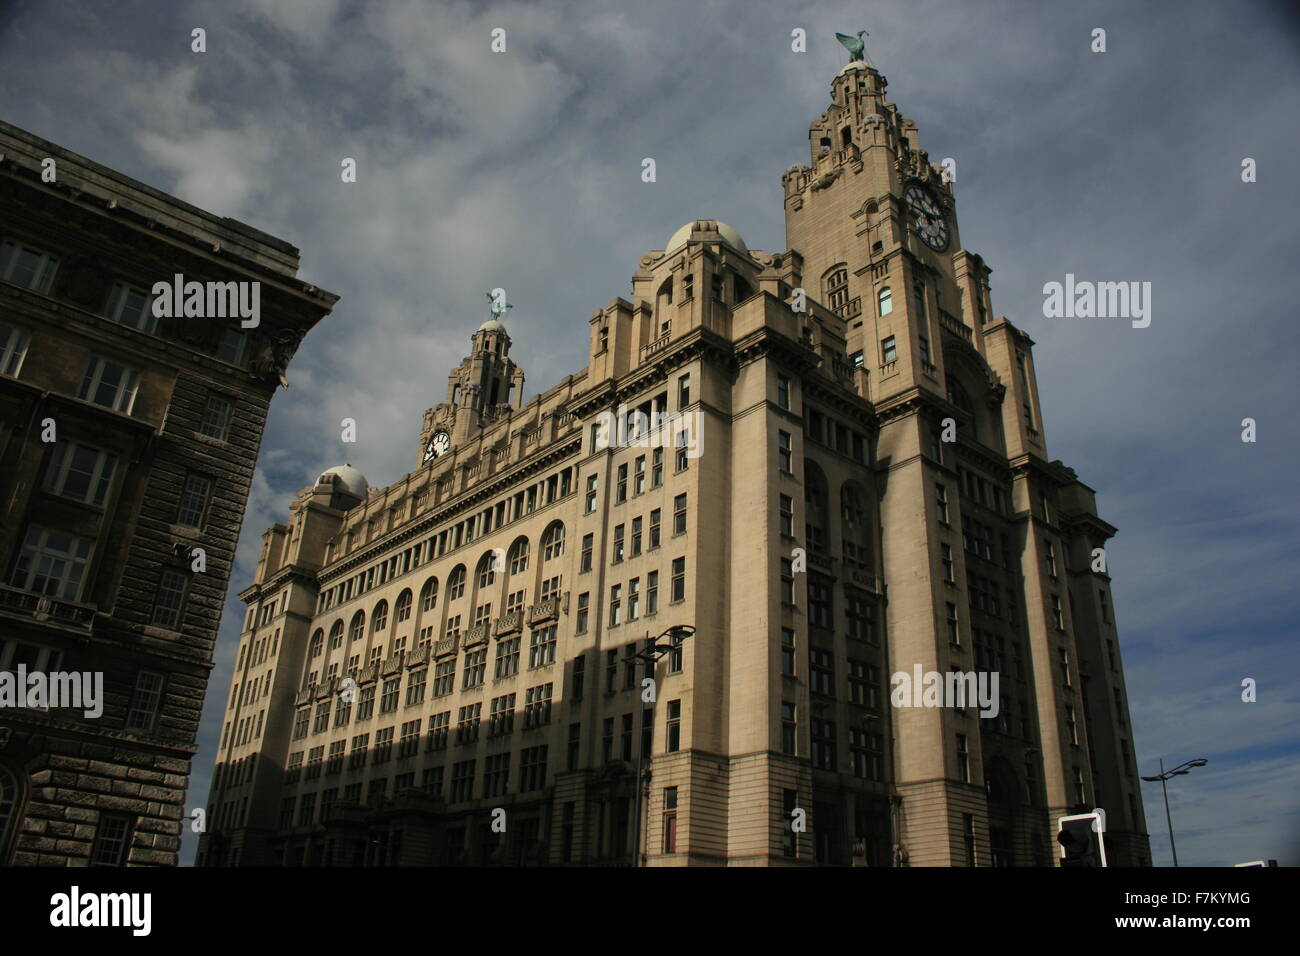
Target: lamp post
{"type": "Point", "coordinates": [650, 656]}
{"type": "Point", "coordinates": [1163, 776]}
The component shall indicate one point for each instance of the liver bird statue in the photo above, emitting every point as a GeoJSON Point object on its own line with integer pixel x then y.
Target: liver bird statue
{"type": "Point", "coordinates": [855, 45]}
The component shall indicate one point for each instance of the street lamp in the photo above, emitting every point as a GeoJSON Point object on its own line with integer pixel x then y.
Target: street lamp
{"type": "Point", "coordinates": [1181, 770]}
{"type": "Point", "coordinates": [650, 657]}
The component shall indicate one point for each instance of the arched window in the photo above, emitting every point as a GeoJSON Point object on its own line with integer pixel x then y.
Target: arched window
{"type": "Point", "coordinates": [456, 583]}
{"type": "Point", "coordinates": [553, 542]}
{"type": "Point", "coordinates": [487, 570]}
{"type": "Point", "coordinates": [815, 510]}
{"type": "Point", "coordinates": [856, 532]}
{"type": "Point", "coordinates": [519, 556]}
{"type": "Point", "coordinates": [402, 609]}
{"type": "Point", "coordinates": [11, 807]}
{"type": "Point", "coordinates": [379, 620]}
{"type": "Point", "coordinates": [317, 643]}
{"type": "Point", "coordinates": [429, 595]}
{"type": "Point", "coordinates": [336, 634]}
{"type": "Point", "coordinates": [961, 398]}
{"type": "Point", "coordinates": [358, 630]}
{"type": "Point", "coordinates": [836, 289]}
{"type": "Point", "coordinates": [885, 298]}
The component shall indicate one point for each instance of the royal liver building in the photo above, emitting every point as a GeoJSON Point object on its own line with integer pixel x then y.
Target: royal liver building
{"type": "Point", "coordinates": [668, 611]}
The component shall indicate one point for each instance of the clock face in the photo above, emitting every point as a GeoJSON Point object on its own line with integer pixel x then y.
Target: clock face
{"type": "Point", "coordinates": [438, 445]}
{"type": "Point", "coordinates": [927, 216]}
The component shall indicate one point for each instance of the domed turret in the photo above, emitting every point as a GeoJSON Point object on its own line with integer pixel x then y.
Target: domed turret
{"type": "Point", "coordinates": [347, 479]}
{"type": "Point", "coordinates": [707, 230]}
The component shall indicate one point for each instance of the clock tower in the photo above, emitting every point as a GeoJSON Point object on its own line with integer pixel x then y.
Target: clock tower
{"type": "Point", "coordinates": [876, 224]}
{"type": "Point", "coordinates": [485, 387]}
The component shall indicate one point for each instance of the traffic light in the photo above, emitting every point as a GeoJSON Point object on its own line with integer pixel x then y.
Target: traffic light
{"type": "Point", "coordinates": [1080, 837]}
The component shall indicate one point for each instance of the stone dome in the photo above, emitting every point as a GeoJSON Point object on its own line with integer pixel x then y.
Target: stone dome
{"type": "Point", "coordinates": [492, 325]}
{"type": "Point", "coordinates": [724, 232]}
{"type": "Point", "coordinates": [349, 479]}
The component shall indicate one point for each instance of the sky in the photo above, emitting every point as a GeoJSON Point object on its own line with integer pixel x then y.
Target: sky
{"type": "Point", "coordinates": [522, 170]}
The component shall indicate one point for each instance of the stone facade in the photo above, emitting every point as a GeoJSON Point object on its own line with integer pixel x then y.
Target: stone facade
{"type": "Point", "coordinates": [128, 445]}
{"type": "Point", "coordinates": [853, 482]}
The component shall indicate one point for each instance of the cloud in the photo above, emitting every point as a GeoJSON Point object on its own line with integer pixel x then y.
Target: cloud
{"type": "Point", "coordinates": [521, 170]}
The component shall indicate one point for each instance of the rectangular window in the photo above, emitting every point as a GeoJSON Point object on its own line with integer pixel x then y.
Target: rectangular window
{"type": "Point", "coordinates": [683, 391]}
{"type": "Point", "coordinates": [27, 266]}
{"type": "Point", "coordinates": [584, 610]}
{"type": "Point", "coordinates": [788, 651]}
{"type": "Point", "coordinates": [590, 500]}
{"type": "Point", "coordinates": [537, 706]}
{"type": "Point", "coordinates": [789, 729]}
{"type": "Point", "coordinates": [888, 350]}
{"type": "Point", "coordinates": [678, 580]}
{"type": "Point", "coordinates": [822, 733]}
{"type": "Point", "coordinates": [532, 768]}
{"type": "Point", "coordinates": [786, 509]}
{"type": "Point", "coordinates": [638, 476]}
{"type": "Point", "coordinates": [821, 672]}
{"type": "Point", "coordinates": [784, 453]}
{"type": "Point", "coordinates": [963, 759]}
{"type": "Point", "coordinates": [475, 668]}
{"type": "Point", "coordinates": [496, 775]}
{"type": "Point", "coordinates": [109, 384]}
{"type": "Point", "coordinates": [541, 647]}
{"type": "Point", "coordinates": [620, 487]}
{"type": "Point", "coordinates": [633, 598]}
{"type": "Point", "coordinates": [216, 416]}
{"type": "Point", "coordinates": [615, 605]}
{"type": "Point", "coordinates": [655, 524]}
{"type": "Point", "coordinates": [232, 345]}
{"type": "Point", "coordinates": [652, 592]}
{"type": "Point", "coordinates": [79, 472]}
{"type": "Point", "coordinates": [415, 686]}
{"type": "Point", "coordinates": [389, 699]}
{"type": "Point", "coordinates": [588, 544]}
{"type": "Point", "coordinates": [941, 502]}
{"type": "Point", "coordinates": [783, 390]}
{"type": "Point", "coordinates": [13, 348]}
{"type": "Point", "coordinates": [636, 537]}
{"type": "Point", "coordinates": [112, 840]}
{"type": "Point", "coordinates": [131, 307]}
{"type": "Point", "coordinates": [52, 562]}
{"type": "Point", "coordinates": [194, 501]}
{"type": "Point", "coordinates": [618, 544]}
{"type": "Point", "coordinates": [145, 701]}
{"type": "Point", "coordinates": [507, 657]}
{"type": "Point", "coordinates": [462, 781]}
{"type": "Point", "coordinates": [674, 743]}
{"type": "Point", "coordinates": [657, 468]}
{"type": "Point", "coordinates": [169, 599]}
{"type": "Point", "coordinates": [679, 514]}
{"type": "Point", "coordinates": [575, 746]}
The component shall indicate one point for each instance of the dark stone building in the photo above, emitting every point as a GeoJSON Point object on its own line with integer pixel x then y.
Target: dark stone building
{"type": "Point", "coordinates": [127, 447]}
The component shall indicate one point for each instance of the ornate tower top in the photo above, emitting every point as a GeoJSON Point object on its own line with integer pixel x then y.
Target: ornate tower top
{"type": "Point", "coordinates": [485, 386]}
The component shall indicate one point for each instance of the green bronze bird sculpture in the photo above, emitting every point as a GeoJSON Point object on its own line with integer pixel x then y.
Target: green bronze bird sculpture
{"type": "Point", "coordinates": [856, 47]}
